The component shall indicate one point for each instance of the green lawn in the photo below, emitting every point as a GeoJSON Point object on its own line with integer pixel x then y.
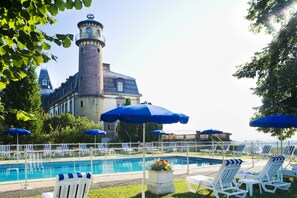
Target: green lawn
{"type": "Point", "coordinates": [181, 191]}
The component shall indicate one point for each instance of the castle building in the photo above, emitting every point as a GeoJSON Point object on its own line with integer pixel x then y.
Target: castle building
{"type": "Point", "coordinates": [94, 89]}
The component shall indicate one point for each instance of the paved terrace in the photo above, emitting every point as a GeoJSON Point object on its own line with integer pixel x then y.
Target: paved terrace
{"type": "Point", "coordinates": [36, 187]}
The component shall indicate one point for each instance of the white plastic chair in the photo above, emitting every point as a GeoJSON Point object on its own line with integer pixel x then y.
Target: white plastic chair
{"type": "Point", "coordinates": [269, 176]}
{"type": "Point", "coordinates": [5, 150]}
{"type": "Point", "coordinates": [71, 185]}
{"type": "Point", "coordinates": [223, 182]}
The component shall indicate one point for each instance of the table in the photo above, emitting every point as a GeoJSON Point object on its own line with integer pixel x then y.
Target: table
{"type": "Point", "coordinates": [249, 185]}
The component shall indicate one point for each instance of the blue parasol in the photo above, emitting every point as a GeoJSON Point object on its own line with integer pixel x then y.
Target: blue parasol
{"type": "Point", "coordinates": [211, 131]}
{"type": "Point", "coordinates": [140, 114]}
{"type": "Point", "coordinates": [17, 132]}
{"type": "Point", "coordinates": [275, 121]}
{"type": "Point", "coordinates": [160, 132]}
{"type": "Point", "coordinates": [95, 132]}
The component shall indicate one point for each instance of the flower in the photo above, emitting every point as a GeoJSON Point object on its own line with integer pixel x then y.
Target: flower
{"type": "Point", "coordinates": [160, 165]}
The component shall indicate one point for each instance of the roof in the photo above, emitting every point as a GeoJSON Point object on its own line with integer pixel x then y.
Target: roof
{"type": "Point", "coordinates": [110, 82]}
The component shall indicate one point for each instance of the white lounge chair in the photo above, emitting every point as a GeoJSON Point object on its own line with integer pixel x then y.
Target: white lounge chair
{"type": "Point", "coordinates": [269, 176]}
{"type": "Point", "coordinates": [71, 185]}
{"type": "Point", "coordinates": [265, 151]}
{"type": "Point", "coordinates": [47, 150]}
{"type": "Point", "coordinates": [290, 171]}
{"type": "Point", "coordinates": [126, 148]}
{"type": "Point", "coordinates": [5, 150]}
{"type": "Point", "coordinates": [172, 147]}
{"type": "Point", "coordinates": [29, 149]}
{"type": "Point", "coordinates": [223, 182]}
{"type": "Point", "coordinates": [209, 149]}
{"type": "Point", "coordinates": [288, 151]}
{"type": "Point", "coordinates": [63, 149]}
{"type": "Point", "coordinates": [239, 149]}
{"type": "Point", "coordinates": [150, 147]}
{"type": "Point", "coordinates": [83, 149]}
{"type": "Point", "coordinates": [224, 148]}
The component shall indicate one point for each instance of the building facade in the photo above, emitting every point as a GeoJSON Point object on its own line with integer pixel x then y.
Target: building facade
{"type": "Point", "coordinates": [94, 89]}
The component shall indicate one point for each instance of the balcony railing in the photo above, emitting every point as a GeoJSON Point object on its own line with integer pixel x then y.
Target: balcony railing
{"type": "Point", "coordinates": [90, 36]}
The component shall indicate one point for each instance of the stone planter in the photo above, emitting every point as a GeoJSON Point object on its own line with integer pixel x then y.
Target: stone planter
{"type": "Point", "coordinates": [160, 182]}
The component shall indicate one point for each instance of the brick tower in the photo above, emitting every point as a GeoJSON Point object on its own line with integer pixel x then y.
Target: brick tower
{"type": "Point", "coordinates": [90, 80]}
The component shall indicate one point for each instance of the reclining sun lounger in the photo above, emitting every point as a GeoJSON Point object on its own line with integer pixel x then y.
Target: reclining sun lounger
{"type": "Point", "coordinates": [71, 185]}
{"type": "Point", "coordinates": [223, 182]}
{"type": "Point", "coordinates": [269, 176]}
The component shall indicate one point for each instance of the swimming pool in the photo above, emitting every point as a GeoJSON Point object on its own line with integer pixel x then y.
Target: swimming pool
{"type": "Point", "coordinates": [15, 172]}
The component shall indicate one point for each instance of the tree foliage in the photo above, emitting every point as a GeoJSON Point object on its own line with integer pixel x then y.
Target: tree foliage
{"type": "Point", "coordinates": [23, 94]}
{"type": "Point", "coordinates": [275, 67]}
{"type": "Point", "coordinates": [66, 128]}
{"type": "Point", "coordinates": [21, 42]}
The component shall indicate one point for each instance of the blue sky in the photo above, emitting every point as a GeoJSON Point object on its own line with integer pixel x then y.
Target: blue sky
{"type": "Point", "coordinates": [181, 52]}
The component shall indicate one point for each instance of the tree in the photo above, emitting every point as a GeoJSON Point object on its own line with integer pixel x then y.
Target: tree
{"type": "Point", "coordinates": [66, 128]}
{"type": "Point", "coordinates": [275, 66]}
{"type": "Point", "coordinates": [23, 94]}
{"type": "Point", "coordinates": [21, 42]}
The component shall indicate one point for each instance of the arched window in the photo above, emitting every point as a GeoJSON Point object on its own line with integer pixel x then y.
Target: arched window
{"type": "Point", "coordinates": [44, 82]}
{"type": "Point", "coordinates": [89, 31]}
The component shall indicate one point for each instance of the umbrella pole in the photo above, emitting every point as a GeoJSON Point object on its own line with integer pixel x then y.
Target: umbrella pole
{"type": "Point", "coordinates": [143, 161]}
{"type": "Point", "coordinates": [95, 140]}
{"type": "Point", "coordinates": [17, 146]}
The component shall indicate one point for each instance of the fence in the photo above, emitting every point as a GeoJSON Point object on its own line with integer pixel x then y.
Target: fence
{"type": "Point", "coordinates": [24, 162]}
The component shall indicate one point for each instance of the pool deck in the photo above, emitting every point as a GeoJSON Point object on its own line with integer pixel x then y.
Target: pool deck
{"type": "Point", "coordinates": [36, 187]}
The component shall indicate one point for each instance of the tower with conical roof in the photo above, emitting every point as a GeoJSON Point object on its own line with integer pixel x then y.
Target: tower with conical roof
{"type": "Point", "coordinates": [90, 83]}
{"type": "Point", "coordinates": [45, 84]}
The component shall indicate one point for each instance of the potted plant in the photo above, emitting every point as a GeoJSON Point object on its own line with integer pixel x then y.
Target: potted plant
{"type": "Point", "coordinates": [160, 177]}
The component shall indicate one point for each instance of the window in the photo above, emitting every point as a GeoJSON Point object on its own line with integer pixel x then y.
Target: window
{"type": "Point", "coordinates": [120, 86]}
{"type": "Point", "coordinates": [44, 82]}
{"type": "Point", "coordinates": [89, 31]}
{"type": "Point", "coordinates": [81, 104]}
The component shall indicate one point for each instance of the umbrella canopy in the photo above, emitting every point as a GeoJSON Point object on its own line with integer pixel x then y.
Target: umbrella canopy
{"type": "Point", "coordinates": [160, 132]}
{"type": "Point", "coordinates": [17, 132]}
{"type": "Point", "coordinates": [143, 113]}
{"type": "Point", "coordinates": [140, 114]}
{"type": "Point", "coordinates": [211, 131]}
{"type": "Point", "coordinates": [95, 132]}
{"type": "Point", "coordinates": [275, 121]}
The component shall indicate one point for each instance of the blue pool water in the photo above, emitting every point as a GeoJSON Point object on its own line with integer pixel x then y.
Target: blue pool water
{"type": "Point", "coordinates": [14, 172]}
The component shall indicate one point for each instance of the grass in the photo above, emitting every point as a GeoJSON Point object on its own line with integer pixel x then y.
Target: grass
{"type": "Point", "coordinates": [181, 191]}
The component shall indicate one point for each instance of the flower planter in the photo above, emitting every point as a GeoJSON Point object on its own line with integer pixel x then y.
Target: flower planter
{"type": "Point", "coordinates": [160, 182]}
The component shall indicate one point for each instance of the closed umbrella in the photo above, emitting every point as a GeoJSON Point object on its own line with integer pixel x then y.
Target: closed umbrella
{"type": "Point", "coordinates": [140, 114]}
{"type": "Point", "coordinates": [95, 132]}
